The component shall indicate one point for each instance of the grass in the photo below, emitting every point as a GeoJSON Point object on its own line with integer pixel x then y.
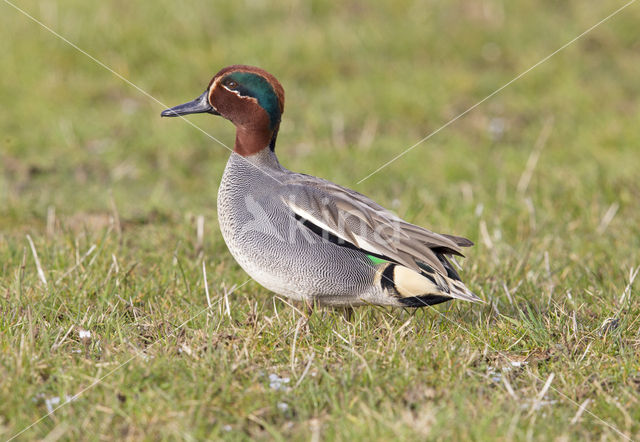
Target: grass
{"type": "Point", "coordinates": [543, 176]}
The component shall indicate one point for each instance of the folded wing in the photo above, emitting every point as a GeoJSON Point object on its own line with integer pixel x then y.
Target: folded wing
{"type": "Point", "coordinates": [356, 219]}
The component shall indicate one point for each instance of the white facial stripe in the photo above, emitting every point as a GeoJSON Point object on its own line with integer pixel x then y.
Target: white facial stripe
{"type": "Point", "coordinates": [231, 90]}
{"type": "Point", "coordinates": [215, 85]}
{"type": "Point", "coordinates": [244, 97]}
{"type": "Point", "coordinates": [211, 88]}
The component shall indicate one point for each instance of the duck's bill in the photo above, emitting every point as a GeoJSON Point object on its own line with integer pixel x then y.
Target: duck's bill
{"type": "Point", "coordinates": [198, 106]}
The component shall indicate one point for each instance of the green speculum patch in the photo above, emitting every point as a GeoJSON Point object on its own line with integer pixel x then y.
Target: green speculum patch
{"type": "Point", "coordinates": [253, 85]}
{"type": "Point", "coordinates": [376, 260]}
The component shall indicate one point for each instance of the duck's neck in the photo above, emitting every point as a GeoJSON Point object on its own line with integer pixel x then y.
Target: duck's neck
{"type": "Point", "coordinates": [250, 141]}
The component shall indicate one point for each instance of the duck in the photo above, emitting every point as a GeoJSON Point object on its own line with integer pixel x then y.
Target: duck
{"type": "Point", "coordinates": [307, 238]}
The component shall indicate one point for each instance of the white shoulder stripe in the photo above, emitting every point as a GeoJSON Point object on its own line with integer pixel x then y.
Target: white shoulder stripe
{"type": "Point", "coordinates": [360, 241]}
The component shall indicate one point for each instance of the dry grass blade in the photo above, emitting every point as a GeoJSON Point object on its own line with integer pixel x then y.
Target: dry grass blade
{"type": "Point", "coordinates": [37, 261]}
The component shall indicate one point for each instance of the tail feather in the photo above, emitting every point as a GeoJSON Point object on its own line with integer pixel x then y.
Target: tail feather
{"type": "Point", "coordinates": [459, 240]}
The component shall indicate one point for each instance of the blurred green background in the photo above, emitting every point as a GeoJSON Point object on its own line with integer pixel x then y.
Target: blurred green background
{"type": "Point", "coordinates": [543, 176]}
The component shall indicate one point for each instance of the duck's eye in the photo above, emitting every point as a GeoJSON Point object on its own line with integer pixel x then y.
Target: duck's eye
{"type": "Point", "coordinates": [231, 84]}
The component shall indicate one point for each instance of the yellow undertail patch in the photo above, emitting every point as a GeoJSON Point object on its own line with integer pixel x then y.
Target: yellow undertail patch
{"type": "Point", "coordinates": [409, 283]}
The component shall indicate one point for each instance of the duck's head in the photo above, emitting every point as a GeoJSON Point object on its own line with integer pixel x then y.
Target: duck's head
{"type": "Point", "coordinates": [250, 97]}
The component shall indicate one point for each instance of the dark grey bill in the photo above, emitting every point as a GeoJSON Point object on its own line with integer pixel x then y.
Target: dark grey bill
{"type": "Point", "coordinates": [198, 106]}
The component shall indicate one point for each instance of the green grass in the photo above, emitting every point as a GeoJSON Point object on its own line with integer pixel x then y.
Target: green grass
{"type": "Point", "coordinates": [110, 195]}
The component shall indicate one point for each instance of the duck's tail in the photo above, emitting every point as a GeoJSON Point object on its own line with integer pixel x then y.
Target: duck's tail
{"type": "Point", "coordinates": [428, 287]}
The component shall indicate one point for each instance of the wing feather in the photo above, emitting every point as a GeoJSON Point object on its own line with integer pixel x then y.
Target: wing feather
{"type": "Point", "coordinates": [358, 220]}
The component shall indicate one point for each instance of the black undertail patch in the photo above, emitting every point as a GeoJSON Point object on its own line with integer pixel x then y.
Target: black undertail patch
{"type": "Point", "coordinates": [386, 279]}
{"type": "Point", "coordinates": [423, 301]}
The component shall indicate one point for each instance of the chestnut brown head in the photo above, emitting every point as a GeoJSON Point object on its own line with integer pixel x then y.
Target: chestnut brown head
{"type": "Point", "coordinates": [249, 97]}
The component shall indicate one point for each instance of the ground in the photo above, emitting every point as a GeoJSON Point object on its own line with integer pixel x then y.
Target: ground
{"type": "Point", "coordinates": [112, 323]}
